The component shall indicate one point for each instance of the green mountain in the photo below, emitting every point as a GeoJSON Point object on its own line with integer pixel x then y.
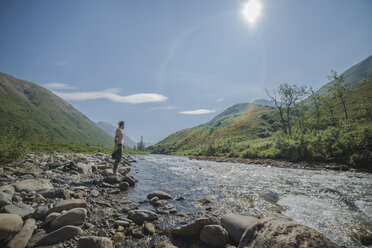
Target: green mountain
{"type": "Point", "coordinates": [355, 76]}
{"type": "Point", "coordinates": [45, 117]}
{"type": "Point", "coordinates": [237, 123]}
{"type": "Point", "coordinates": [110, 129]}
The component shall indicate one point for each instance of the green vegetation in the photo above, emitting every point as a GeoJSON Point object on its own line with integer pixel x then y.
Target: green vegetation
{"type": "Point", "coordinates": [304, 125]}
{"type": "Point", "coordinates": [12, 145]}
{"type": "Point", "coordinates": [45, 116]}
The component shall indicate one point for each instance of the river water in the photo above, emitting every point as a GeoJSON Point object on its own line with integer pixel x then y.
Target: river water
{"type": "Point", "coordinates": [333, 203]}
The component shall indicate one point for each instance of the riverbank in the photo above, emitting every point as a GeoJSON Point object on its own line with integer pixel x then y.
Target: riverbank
{"type": "Point", "coordinates": [284, 164]}
{"type": "Point", "coordinates": [73, 200]}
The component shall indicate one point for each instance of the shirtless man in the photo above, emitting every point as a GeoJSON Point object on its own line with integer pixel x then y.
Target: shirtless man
{"type": "Point", "coordinates": [119, 141]}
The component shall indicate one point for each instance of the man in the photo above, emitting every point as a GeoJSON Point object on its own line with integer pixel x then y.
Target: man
{"type": "Point", "coordinates": [119, 141]}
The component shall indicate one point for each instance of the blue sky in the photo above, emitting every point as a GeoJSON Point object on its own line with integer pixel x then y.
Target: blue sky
{"type": "Point", "coordinates": [153, 63]}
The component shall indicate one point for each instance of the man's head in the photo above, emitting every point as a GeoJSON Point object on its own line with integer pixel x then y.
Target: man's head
{"type": "Point", "coordinates": [121, 124]}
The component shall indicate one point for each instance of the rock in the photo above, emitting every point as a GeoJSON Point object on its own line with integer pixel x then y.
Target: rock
{"type": "Point", "coordinates": [270, 197]}
{"type": "Point", "coordinates": [33, 185]}
{"type": "Point", "coordinates": [55, 193]}
{"type": "Point", "coordinates": [123, 223]}
{"type": "Point", "coordinates": [204, 201]}
{"type": "Point", "coordinates": [10, 224]}
{"type": "Point", "coordinates": [69, 204]}
{"type": "Point", "coordinates": [140, 216]}
{"type": "Point", "coordinates": [123, 186]}
{"type": "Point", "coordinates": [94, 242]}
{"type": "Point", "coordinates": [94, 193]}
{"type": "Point", "coordinates": [165, 244]}
{"type": "Point", "coordinates": [360, 232]}
{"type": "Point", "coordinates": [277, 232]}
{"type": "Point", "coordinates": [40, 212]}
{"type": "Point", "coordinates": [39, 198]}
{"type": "Point", "coordinates": [21, 209]}
{"type": "Point", "coordinates": [21, 239]}
{"type": "Point", "coordinates": [236, 224]}
{"type": "Point", "coordinates": [153, 200]}
{"type": "Point", "coordinates": [130, 180]}
{"type": "Point", "coordinates": [51, 217]}
{"type": "Point", "coordinates": [192, 228]}
{"type": "Point", "coordinates": [75, 216]}
{"type": "Point", "coordinates": [61, 234]}
{"type": "Point", "coordinates": [5, 199]}
{"type": "Point", "coordinates": [113, 179]}
{"type": "Point", "coordinates": [160, 194]}
{"type": "Point", "coordinates": [180, 198]}
{"type": "Point", "coordinates": [8, 189]}
{"type": "Point", "coordinates": [118, 238]}
{"type": "Point", "coordinates": [149, 228]}
{"type": "Point", "coordinates": [84, 168]}
{"type": "Point", "coordinates": [128, 207]}
{"type": "Point", "coordinates": [214, 235]}
{"type": "Point", "coordinates": [102, 233]}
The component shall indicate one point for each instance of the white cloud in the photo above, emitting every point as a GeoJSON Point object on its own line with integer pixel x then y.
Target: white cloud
{"type": "Point", "coordinates": [220, 100]}
{"type": "Point", "coordinates": [113, 95]}
{"type": "Point", "coordinates": [198, 112]}
{"type": "Point", "coordinates": [58, 86]}
{"type": "Point", "coordinates": [61, 63]}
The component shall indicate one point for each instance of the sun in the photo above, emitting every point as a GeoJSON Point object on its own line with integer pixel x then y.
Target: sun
{"type": "Point", "coordinates": [252, 10]}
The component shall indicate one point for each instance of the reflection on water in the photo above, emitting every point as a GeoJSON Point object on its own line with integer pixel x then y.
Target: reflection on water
{"type": "Point", "coordinates": [327, 201]}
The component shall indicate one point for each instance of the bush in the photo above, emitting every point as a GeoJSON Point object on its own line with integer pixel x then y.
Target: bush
{"type": "Point", "coordinates": [12, 145]}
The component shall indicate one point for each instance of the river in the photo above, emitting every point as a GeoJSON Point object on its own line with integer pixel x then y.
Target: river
{"type": "Point", "coordinates": [331, 202]}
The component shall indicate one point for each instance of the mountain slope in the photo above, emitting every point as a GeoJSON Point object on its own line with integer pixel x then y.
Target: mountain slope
{"type": "Point", "coordinates": [239, 122]}
{"type": "Point", "coordinates": [110, 129]}
{"type": "Point", "coordinates": [45, 117]}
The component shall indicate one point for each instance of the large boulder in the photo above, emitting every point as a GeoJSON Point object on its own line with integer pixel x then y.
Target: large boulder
{"type": "Point", "coordinates": [75, 216]}
{"type": "Point", "coordinates": [192, 228]}
{"type": "Point", "coordinates": [10, 224]}
{"type": "Point", "coordinates": [160, 194]}
{"type": "Point", "coordinates": [21, 239]}
{"type": "Point", "coordinates": [8, 189]}
{"type": "Point", "coordinates": [33, 185]}
{"type": "Point", "coordinates": [94, 242]}
{"type": "Point", "coordinates": [140, 216]}
{"type": "Point", "coordinates": [277, 232]}
{"type": "Point", "coordinates": [236, 224]}
{"type": "Point", "coordinates": [214, 235]}
{"type": "Point", "coordinates": [64, 233]}
{"type": "Point", "coordinates": [20, 209]}
{"type": "Point", "coordinates": [69, 204]}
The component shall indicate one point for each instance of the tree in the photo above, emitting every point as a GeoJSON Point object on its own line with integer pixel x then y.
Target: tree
{"type": "Point", "coordinates": [141, 145]}
{"type": "Point", "coordinates": [316, 102]}
{"type": "Point", "coordinates": [338, 89]}
{"type": "Point", "coordinates": [279, 106]}
{"type": "Point", "coordinates": [328, 102]}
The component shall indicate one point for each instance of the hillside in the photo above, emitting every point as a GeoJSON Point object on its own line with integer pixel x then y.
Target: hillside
{"type": "Point", "coordinates": [45, 117]}
{"type": "Point", "coordinates": [237, 123]}
{"type": "Point", "coordinates": [110, 129]}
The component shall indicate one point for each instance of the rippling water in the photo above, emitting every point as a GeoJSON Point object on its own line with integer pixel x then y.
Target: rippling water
{"type": "Point", "coordinates": [328, 201]}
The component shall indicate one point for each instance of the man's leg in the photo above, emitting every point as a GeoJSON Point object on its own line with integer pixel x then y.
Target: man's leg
{"type": "Point", "coordinates": [118, 158]}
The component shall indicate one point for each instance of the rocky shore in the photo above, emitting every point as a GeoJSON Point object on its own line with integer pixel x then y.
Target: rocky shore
{"type": "Point", "coordinates": [72, 200]}
{"type": "Point", "coordinates": [283, 164]}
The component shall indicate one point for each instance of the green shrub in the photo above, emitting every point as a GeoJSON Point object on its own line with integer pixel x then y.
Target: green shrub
{"type": "Point", "coordinates": [12, 145]}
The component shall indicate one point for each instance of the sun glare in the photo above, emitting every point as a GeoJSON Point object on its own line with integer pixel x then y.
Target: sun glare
{"type": "Point", "coordinates": [252, 10]}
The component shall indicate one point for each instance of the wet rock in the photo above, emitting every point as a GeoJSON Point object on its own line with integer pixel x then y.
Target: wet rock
{"type": "Point", "coordinates": [153, 200]}
{"type": "Point", "coordinates": [236, 225]}
{"type": "Point", "coordinates": [55, 193]}
{"type": "Point", "coordinates": [204, 201]}
{"type": "Point", "coordinates": [94, 242]}
{"type": "Point", "coordinates": [140, 216]}
{"type": "Point", "coordinates": [149, 228]}
{"type": "Point", "coordinates": [10, 224]}
{"type": "Point", "coordinates": [5, 199]}
{"type": "Point", "coordinates": [180, 198]}
{"type": "Point", "coordinates": [160, 194]}
{"type": "Point", "coordinates": [130, 180]}
{"type": "Point", "coordinates": [360, 232]}
{"type": "Point", "coordinates": [75, 216]}
{"type": "Point", "coordinates": [277, 232]}
{"type": "Point", "coordinates": [192, 228]}
{"type": "Point", "coordinates": [33, 185]}
{"type": "Point", "coordinates": [128, 207]}
{"type": "Point", "coordinates": [123, 186]}
{"type": "Point", "coordinates": [113, 179]}
{"type": "Point", "coordinates": [84, 168]}
{"type": "Point", "coordinates": [21, 239]}
{"type": "Point", "coordinates": [270, 197]}
{"type": "Point", "coordinates": [214, 235]}
{"type": "Point", "coordinates": [69, 204]}
{"type": "Point", "coordinates": [61, 234]}
{"type": "Point", "coordinates": [20, 209]}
